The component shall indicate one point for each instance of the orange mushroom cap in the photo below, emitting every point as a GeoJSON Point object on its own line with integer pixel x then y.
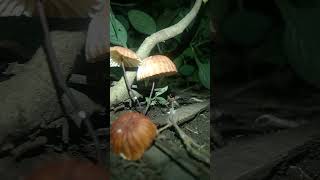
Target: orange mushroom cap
{"type": "Point", "coordinates": [156, 66]}
{"type": "Point", "coordinates": [132, 134]}
{"type": "Point", "coordinates": [128, 57]}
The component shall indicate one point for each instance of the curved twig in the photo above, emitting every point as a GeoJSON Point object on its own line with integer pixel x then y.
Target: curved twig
{"type": "Point", "coordinates": [150, 42]}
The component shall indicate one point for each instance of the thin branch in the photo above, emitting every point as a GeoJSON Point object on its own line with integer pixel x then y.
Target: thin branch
{"type": "Point", "coordinates": [150, 42]}
{"type": "Point", "coordinates": [192, 147]}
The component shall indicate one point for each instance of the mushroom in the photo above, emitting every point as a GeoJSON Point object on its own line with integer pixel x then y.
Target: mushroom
{"type": "Point", "coordinates": [125, 58]}
{"type": "Point", "coordinates": [154, 67]}
{"type": "Point", "coordinates": [131, 135]}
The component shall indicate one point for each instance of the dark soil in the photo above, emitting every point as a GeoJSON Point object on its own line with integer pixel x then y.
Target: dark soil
{"type": "Point", "coordinates": [158, 165]}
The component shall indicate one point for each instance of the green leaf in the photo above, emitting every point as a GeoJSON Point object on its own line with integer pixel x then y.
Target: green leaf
{"type": "Point", "coordinates": [142, 22]}
{"type": "Point", "coordinates": [118, 33]}
{"type": "Point", "coordinates": [186, 70]}
{"type": "Point", "coordinates": [166, 18]}
{"type": "Point", "coordinates": [178, 61]}
{"type": "Point", "coordinates": [160, 91]}
{"type": "Point", "coordinates": [123, 21]}
{"type": "Point", "coordinates": [161, 100]}
{"type": "Point", "coordinates": [188, 53]}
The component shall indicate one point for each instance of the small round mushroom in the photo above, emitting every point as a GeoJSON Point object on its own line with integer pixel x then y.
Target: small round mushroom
{"type": "Point", "coordinates": [126, 58]}
{"type": "Point", "coordinates": [155, 67]}
{"type": "Point", "coordinates": [131, 135]}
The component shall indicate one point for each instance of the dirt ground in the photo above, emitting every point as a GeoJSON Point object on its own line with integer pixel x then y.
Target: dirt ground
{"type": "Point", "coordinates": [175, 162]}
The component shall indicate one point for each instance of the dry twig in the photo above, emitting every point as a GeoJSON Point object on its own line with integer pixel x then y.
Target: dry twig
{"type": "Point", "coordinates": [191, 146]}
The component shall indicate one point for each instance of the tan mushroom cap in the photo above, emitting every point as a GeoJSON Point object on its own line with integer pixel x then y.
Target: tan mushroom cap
{"type": "Point", "coordinates": [128, 57]}
{"type": "Point", "coordinates": [156, 66]}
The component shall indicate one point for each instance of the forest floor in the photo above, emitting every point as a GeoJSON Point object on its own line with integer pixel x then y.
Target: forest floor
{"type": "Point", "coordinates": [167, 158]}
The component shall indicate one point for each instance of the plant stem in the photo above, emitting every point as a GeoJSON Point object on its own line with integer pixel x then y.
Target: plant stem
{"type": "Point", "coordinates": [149, 102]}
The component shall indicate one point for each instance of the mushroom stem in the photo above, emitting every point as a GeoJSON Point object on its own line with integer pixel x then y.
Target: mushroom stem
{"type": "Point", "coordinates": [149, 102]}
{"type": "Point", "coordinates": [126, 82]}
{"type": "Point", "coordinates": [128, 86]}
